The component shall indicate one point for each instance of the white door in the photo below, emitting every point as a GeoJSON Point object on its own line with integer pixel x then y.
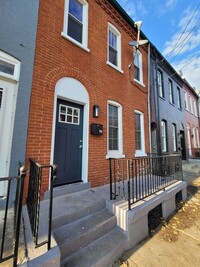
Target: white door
{"type": "Point", "coordinates": [189, 141]}
{"type": "Point", "coordinates": [7, 112]}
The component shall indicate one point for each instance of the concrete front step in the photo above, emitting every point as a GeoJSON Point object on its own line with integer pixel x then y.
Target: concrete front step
{"type": "Point", "coordinates": [68, 189]}
{"type": "Point", "coordinates": [101, 253]}
{"type": "Point", "coordinates": [67, 209]}
{"type": "Point", "coordinates": [76, 235]}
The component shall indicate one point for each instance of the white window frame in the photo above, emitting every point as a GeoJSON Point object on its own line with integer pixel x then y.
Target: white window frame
{"type": "Point", "coordinates": [114, 30]}
{"type": "Point", "coordinates": [115, 153]}
{"type": "Point", "coordinates": [194, 137]}
{"type": "Point", "coordinates": [171, 93]}
{"type": "Point", "coordinates": [164, 136]}
{"type": "Point", "coordinates": [197, 137]}
{"type": "Point", "coordinates": [191, 105]}
{"type": "Point", "coordinates": [11, 60]}
{"type": "Point", "coordinates": [174, 137]}
{"type": "Point", "coordinates": [84, 44]}
{"type": "Point", "coordinates": [141, 152]}
{"type": "Point", "coordinates": [160, 83]}
{"type": "Point", "coordinates": [178, 91]}
{"type": "Point", "coordinates": [195, 107]}
{"type": "Point", "coordinates": [136, 51]}
{"type": "Point", "coordinates": [186, 100]}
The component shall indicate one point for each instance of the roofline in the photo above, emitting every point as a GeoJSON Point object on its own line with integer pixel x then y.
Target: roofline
{"type": "Point", "coordinates": [128, 19]}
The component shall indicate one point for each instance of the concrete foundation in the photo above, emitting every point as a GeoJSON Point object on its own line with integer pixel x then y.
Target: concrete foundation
{"type": "Point", "coordinates": [135, 221]}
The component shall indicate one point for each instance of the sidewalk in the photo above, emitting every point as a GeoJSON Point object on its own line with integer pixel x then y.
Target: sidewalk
{"type": "Point", "coordinates": [175, 243]}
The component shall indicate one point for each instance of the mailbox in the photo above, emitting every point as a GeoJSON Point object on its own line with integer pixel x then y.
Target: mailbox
{"type": "Point", "coordinates": [96, 129]}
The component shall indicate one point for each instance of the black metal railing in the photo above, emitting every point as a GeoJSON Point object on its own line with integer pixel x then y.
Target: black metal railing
{"type": "Point", "coordinates": [137, 178]}
{"type": "Point", "coordinates": [10, 215]}
{"type": "Point", "coordinates": [36, 176]}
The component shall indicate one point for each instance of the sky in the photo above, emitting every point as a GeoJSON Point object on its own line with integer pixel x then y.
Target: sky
{"type": "Point", "coordinates": [173, 26]}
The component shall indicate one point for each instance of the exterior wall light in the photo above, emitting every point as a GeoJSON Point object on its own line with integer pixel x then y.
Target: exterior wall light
{"type": "Point", "coordinates": [96, 111]}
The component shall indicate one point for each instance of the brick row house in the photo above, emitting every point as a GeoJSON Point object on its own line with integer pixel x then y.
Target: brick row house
{"type": "Point", "coordinates": [191, 120]}
{"type": "Point", "coordinates": [167, 108]}
{"type": "Point", "coordinates": [89, 98]}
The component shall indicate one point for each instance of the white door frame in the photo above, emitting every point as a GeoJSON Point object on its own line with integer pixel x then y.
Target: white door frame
{"type": "Point", "coordinates": [9, 77]}
{"type": "Point", "coordinates": [72, 90]}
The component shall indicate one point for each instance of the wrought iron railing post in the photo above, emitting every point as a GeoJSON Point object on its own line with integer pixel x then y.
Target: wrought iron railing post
{"type": "Point", "coordinates": [110, 165]}
{"type": "Point", "coordinates": [129, 188]}
{"type": "Point", "coordinates": [5, 218]}
{"type": "Point", "coordinates": [19, 212]}
{"type": "Point", "coordinates": [53, 177]}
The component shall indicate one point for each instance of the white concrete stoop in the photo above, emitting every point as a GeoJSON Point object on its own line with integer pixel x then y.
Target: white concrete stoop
{"type": "Point", "coordinates": [89, 230]}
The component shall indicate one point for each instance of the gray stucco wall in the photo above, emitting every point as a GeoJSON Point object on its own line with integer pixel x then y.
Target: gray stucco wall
{"type": "Point", "coordinates": [18, 24]}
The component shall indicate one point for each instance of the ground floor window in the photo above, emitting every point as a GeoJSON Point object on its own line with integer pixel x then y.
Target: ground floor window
{"type": "Point", "coordinates": [114, 129]}
{"type": "Point", "coordinates": [174, 137]}
{"type": "Point", "coordinates": [164, 136]}
{"type": "Point", "coordinates": [139, 133]}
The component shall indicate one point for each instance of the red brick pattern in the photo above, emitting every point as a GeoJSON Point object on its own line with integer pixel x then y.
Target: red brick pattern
{"type": "Point", "coordinates": [57, 57]}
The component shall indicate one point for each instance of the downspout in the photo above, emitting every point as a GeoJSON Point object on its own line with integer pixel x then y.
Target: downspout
{"type": "Point", "coordinates": [149, 96]}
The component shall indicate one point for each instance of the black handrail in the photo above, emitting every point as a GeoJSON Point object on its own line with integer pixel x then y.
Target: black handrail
{"type": "Point", "coordinates": [137, 178]}
{"type": "Point", "coordinates": [34, 199]}
{"type": "Point", "coordinates": [17, 214]}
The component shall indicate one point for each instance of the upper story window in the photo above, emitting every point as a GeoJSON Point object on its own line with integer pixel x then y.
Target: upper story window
{"type": "Point", "coordinates": [114, 130]}
{"type": "Point", "coordinates": [191, 105]}
{"type": "Point", "coordinates": [114, 47]}
{"type": "Point", "coordinates": [76, 22]}
{"type": "Point", "coordinates": [9, 66]}
{"type": "Point", "coordinates": [179, 98]}
{"type": "Point", "coordinates": [139, 134]}
{"type": "Point", "coordinates": [174, 137]}
{"type": "Point", "coordinates": [138, 73]}
{"type": "Point", "coordinates": [186, 100]}
{"type": "Point", "coordinates": [195, 108]}
{"type": "Point", "coordinates": [164, 135]}
{"type": "Point", "coordinates": [160, 83]}
{"type": "Point", "coordinates": [171, 95]}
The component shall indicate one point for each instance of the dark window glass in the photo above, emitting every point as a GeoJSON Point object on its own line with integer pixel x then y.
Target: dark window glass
{"type": "Point", "coordinates": [112, 56]}
{"type": "Point", "coordinates": [113, 127]}
{"type": "Point", "coordinates": [76, 9]}
{"type": "Point", "coordinates": [136, 73]}
{"type": "Point", "coordinates": [138, 143]}
{"type": "Point", "coordinates": [136, 67]}
{"type": "Point", "coordinates": [7, 67]}
{"type": "Point", "coordinates": [1, 96]}
{"type": "Point", "coordinates": [75, 29]}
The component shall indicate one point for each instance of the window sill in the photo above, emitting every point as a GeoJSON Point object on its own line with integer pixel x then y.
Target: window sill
{"type": "Point", "coordinates": [64, 35]}
{"type": "Point", "coordinates": [114, 67]}
{"type": "Point", "coordinates": [172, 104]}
{"type": "Point", "coordinates": [114, 154]}
{"type": "Point", "coordinates": [139, 82]}
{"type": "Point", "coordinates": [140, 153]}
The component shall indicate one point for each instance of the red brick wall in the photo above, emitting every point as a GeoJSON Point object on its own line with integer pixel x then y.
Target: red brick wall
{"type": "Point", "coordinates": [57, 57]}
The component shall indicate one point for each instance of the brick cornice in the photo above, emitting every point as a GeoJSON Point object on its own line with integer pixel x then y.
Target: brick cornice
{"type": "Point", "coordinates": [109, 9]}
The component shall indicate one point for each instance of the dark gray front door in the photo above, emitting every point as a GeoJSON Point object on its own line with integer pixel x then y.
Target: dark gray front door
{"type": "Point", "coordinates": [68, 142]}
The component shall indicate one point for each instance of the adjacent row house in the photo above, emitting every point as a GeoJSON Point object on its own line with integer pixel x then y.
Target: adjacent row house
{"type": "Point", "coordinates": [17, 48]}
{"type": "Point", "coordinates": [191, 120]}
{"type": "Point", "coordinates": [167, 107]}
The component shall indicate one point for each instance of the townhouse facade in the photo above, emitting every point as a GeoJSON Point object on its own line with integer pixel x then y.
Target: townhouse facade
{"type": "Point", "coordinates": [191, 120]}
{"type": "Point", "coordinates": [17, 47]}
{"type": "Point", "coordinates": [89, 98]}
{"type": "Point", "coordinates": [167, 108]}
